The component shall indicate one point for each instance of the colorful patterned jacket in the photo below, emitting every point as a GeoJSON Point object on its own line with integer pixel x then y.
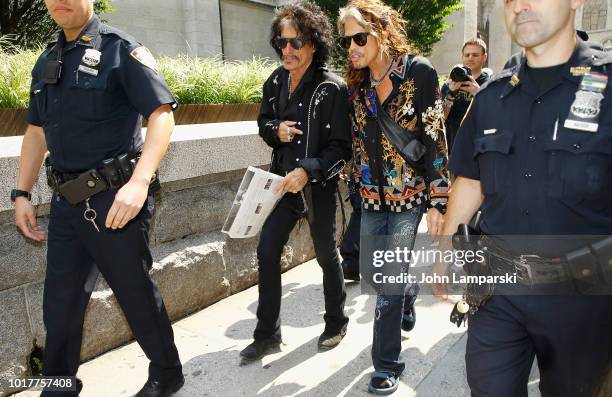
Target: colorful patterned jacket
{"type": "Point", "coordinates": [415, 105]}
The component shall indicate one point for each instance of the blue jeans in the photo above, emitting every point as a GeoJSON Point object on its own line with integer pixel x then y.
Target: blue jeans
{"type": "Point", "coordinates": [401, 228]}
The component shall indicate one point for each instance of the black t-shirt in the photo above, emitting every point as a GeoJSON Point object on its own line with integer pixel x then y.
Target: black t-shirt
{"type": "Point", "coordinates": [545, 78]}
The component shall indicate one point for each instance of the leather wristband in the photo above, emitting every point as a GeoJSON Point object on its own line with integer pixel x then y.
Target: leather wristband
{"type": "Point", "coordinates": [20, 193]}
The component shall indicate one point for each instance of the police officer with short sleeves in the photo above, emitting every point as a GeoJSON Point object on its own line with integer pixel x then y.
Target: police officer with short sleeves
{"type": "Point", "coordinates": [90, 90]}
{"type": "Point", "coordinates": [535, 154]}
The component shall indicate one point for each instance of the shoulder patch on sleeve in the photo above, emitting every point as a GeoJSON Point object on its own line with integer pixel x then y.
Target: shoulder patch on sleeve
{"type": "Point", "coordinates": [144, 56]}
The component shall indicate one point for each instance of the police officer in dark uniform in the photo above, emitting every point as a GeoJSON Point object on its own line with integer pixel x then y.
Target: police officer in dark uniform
{"type": "Point", "coordinates": [535, 154]}
{"type": "Point", "coordinates": [90, 90]}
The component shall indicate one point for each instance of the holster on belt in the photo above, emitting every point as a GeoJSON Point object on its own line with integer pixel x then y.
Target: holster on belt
{"type": "Point", "coordinates": [467, 238]}
{"type": "Point", "coordinates": [113, 173]}
{"type": "Point", "coordinates": [591, 267]}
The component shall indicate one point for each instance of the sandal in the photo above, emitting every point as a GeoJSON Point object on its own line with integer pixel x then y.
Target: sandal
{"type": "Point", "coordinates": [383, 383]}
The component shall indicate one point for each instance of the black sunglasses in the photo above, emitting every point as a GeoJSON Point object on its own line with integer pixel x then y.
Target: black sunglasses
{"type": "Point", "coordinates": [296, 42]}
{"type": "Point", "coordinates": [360, 39]}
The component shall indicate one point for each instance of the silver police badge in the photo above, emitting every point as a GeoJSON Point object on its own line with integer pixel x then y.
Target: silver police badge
{"type": "Point", "coordinates": [91, 57]}
{"type": "Point", "coordinates": [587, 104]}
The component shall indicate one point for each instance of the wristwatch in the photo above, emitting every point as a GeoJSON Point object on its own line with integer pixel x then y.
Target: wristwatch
{"type": "Point", "coordinates": [20, 193]}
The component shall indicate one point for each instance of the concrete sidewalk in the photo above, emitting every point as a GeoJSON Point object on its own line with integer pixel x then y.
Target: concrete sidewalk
{"type": "Point", "coordinates": [209, 342]}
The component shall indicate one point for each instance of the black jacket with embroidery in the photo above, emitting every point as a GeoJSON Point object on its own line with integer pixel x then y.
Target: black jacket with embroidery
{"type": "Point", "coordinates": [320, 107]}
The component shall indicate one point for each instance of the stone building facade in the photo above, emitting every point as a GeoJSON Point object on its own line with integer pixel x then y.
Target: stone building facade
{"type": "Point", "coordinates": [238, 29]}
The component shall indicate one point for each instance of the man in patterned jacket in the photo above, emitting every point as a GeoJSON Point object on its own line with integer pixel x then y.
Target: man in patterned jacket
{"type": "Point", "coordinates": [383, 77]}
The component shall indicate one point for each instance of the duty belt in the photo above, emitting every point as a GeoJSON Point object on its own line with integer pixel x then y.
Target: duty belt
{"type": "Point", "coordinates": [586, 267]}
{"type": "Point", "coordinates": [530, 269]}
{"type": "Point", "coordinates": [111, 174]}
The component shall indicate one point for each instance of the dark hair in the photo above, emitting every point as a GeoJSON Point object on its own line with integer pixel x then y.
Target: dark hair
{"type": "Point", "coordinates": [309, 21]}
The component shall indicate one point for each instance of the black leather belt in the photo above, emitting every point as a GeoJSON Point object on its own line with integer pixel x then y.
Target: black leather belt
{"type": "Point", "coordinates": [530, 269]}
{"type": "Point", "coordinates": [586, 268]}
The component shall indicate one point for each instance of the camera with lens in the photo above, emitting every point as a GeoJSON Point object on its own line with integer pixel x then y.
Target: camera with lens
{"type": "Point", "coordinates": [460, 73]}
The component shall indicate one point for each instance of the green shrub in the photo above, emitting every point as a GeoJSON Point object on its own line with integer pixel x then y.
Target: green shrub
{"type": "Point", "coordinates": [192, 80]}
{"type": "Point", "coordinates": [15, 77]}
{"type": "Point", "coordinates": [210, 80]}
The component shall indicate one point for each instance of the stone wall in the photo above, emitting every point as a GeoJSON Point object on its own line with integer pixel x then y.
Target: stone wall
{"type": "Point", "coordinates": [447, 52]}
{"type": "Point", "coordinates": [195, 264]}
{"type": "Point", "coordinates": [170, 27]}
{"type": "Point", "coordinates": [246, 29]}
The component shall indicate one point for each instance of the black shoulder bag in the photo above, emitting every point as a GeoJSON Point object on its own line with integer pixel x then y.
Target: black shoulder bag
{"type": "Point", "coordinates": [405, 142]}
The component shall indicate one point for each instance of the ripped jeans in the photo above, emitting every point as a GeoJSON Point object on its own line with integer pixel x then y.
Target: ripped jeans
{"type": "Point", "coordinates": [401, 228]}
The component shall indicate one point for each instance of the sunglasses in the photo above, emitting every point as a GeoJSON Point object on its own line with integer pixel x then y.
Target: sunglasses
{"type": "Point", "coordinates": [296, 42]}
{"type": "Point", "coordinates": [360, 39]}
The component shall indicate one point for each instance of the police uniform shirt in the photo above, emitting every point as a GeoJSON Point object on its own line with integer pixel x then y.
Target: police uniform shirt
{"type": "Point", "coordinates": [108, 81]}
{"type": "Point", "coordinates": [536, 180]}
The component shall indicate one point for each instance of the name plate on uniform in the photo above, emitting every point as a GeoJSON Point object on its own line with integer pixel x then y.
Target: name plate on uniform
{"type": "Point", "coordinates": [88, 70]}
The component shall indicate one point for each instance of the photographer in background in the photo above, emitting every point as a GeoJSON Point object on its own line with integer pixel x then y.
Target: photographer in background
{"type": "Point", "coordinates": [463, 83]}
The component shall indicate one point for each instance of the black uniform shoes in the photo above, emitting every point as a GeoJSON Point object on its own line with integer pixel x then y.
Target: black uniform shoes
{"type": "Point", "coordinates": [154, 388]}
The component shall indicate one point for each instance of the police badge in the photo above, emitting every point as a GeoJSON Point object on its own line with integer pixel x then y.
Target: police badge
{"type": "Point", "coordinates": [90, 61]}
{"type": "Point", "coordinates": [586, 108]}
{"type": "Point", "coordinates": [91, 57]}
{"type": "Point", "coordinates": [587, 104]}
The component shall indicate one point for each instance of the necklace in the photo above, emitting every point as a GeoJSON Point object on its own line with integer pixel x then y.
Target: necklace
{"type": "Point", "coordinates": [374, 82]}
{"type": "Point", "coordinates": [289, 85]}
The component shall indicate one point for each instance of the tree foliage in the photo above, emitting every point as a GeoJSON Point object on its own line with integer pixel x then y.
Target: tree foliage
{"type": "Point", "coordinates": [425, 18]}
{"type": "Point", "coordinates": [26, 23]}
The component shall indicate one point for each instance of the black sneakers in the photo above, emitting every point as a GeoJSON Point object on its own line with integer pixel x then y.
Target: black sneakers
{"type": "Point", "coordinates": [329, 340]}
{"type": "Point", "coordinates": [258, 349]}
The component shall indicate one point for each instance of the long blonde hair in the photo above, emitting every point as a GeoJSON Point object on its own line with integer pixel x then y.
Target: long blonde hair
{"type": "Point", "coordinates": [375, 17]}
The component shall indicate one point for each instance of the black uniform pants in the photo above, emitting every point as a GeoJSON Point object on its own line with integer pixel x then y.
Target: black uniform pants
{"type": "Point", "coordinates": [76, 254]}
{"type": "Point", "coordinates": [570, 335]}
{"type": "Point", "coordinates": [274, 236]}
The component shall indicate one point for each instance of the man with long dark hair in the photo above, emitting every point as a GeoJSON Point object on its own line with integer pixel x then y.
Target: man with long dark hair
{"type": "Point", "coordinates": [304, 118]}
